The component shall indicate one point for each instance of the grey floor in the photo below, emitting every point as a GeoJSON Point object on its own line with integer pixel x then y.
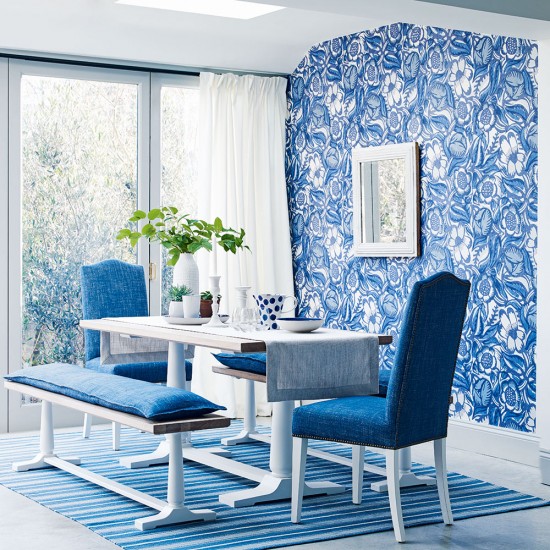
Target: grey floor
{"type": "Point", "coordinates": [27, 525]}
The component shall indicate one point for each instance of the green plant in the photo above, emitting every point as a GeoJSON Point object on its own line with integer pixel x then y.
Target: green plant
{"type": "Point", "coordinates": [207, 295]}
{"type": "Point", "coordinates": [177, 292]}
{"type": "Point", "coordinates": [180, 233]}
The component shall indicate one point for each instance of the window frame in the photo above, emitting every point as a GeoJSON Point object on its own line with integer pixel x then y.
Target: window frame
{"type": "Point", "coordinates": [21, 418]}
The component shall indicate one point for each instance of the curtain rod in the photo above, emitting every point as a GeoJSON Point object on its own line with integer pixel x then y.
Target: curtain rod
{"type": "Point", "coordinates": [105, 64]}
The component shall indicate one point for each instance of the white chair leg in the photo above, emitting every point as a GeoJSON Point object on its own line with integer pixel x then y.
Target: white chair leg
{"type": "Point", "coordinates": [394, 492]}
{"type": "Point", "coordinates": [299, 457]}
{"type": "Point", "coordinates": [87, 426]}
{"type": "Point", "coordinates": [116, 436]}
{"type": "Point", "coordinates": [440, 456]}
{"type": "Point", "coordinates": [357, 472]}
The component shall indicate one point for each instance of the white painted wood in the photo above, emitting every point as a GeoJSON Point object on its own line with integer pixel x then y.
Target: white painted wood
{"type": "Point", "coordinates": [394, 493]}
{"type": "Point", "coordinates": [357, 472]}
{"type": "Point", "coordinates": [87, 426]}
{"type": "Point", "coordinates": [495, 441]}
{"type": "Point", "coordinates": [107, 483]}
{"type": "Point", "coordinates": [407, 478]}
{"type": "Point", "coordinates": [168, 515]}
{"type": "Point", "coordinates": [280, 460]}
{"type": "Point", "coordinates": [115, 426]}
{"type": "Point", "coordinates": [27, 417]}
{"type": "Point", "coordinates": [409, 152]}
{"type": "Point", "coordinates": [46, 429]}
{"type": "Point", "coordinates": [158, 81]}
{"type": "Point", "coordinates": [299, 458]}
{"type": "Point", "coordinates": [171, 512]}
{"type": "Point", "coordinates": [199, 336]}
{"type": "Point", "coordinates": [175, 378]}
{"type": "Point", "coordinates": [176, 365]}
{"type": "Point", "coordinates": [174, 516]}
{"type": "Point", "coordinates": [249, 418]}
{"type": "Point", "coordinates": [542, 358]}
{"type": "Point", "coordinates": [440, 456]}
{"type": "Point", "coordinates": [215, 460]}
{"type": "Point", "coordinates": [274, 485]}
{"type": "Point", "coordinates": [545, 466]}
{"type": "Point", "coordinates": [4, 243]}
{"type": "Point", "coordinates": [46, 443]}
{"type": "Point", "coordinates": [149, 426]}
{"type": "Point", "coordinates": [346, 461]}
{"type": "Point", "coordinates": [277, 484]}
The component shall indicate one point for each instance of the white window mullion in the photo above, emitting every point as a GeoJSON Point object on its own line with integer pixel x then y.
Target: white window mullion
{"type": "Point", "coordinates": [155, 175]}
{"type": "Point", "coordinates": [4, 293]}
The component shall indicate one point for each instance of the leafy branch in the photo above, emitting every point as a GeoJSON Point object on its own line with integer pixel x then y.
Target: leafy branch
{"type": "Point", "coordinates": [180, 233]}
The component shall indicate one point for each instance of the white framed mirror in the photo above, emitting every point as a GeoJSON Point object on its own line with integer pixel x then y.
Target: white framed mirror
{"type": "Point", "coordinates": [386, 200]}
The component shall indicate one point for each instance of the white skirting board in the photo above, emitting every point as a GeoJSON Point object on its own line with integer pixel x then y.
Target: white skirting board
{"type": "Point", "coordinates": [544, 464]}
{"type": "Point", "coordinates": [498, 442]}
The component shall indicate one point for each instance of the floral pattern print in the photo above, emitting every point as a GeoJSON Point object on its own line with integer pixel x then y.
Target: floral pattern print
{"type": "Point", "coordinates": [471, 103]}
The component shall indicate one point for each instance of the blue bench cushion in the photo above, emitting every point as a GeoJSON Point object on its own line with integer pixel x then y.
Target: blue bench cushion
{"type": "Point", "coordinates": [152, 401]}
{"type": "Point", "coordinates": [249, 362]}
{"type": "Point", "coordinates": [149, 372]}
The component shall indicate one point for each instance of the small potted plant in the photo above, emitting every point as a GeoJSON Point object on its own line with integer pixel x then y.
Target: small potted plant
{"type": "Point", "coordinates": [177, 294]}
{"type": "Point", "coordinates": [206, 303]}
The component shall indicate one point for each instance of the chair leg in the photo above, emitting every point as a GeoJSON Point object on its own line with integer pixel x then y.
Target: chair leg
{"type": "Point", "coordinates": [394, 492]}
{"type": "Point", "coordinates": [357, 472]}
{"type": "Point", "coordinates": [87, 426]}
{"type": "Point", "coordinates": [440, 456]}
{"type": "Point", "coordinates": [116, 436]}
{"type": "Point", "coordinates": [299, 457]}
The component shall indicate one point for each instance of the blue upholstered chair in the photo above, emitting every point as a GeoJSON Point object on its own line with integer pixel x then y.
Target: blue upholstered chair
{"type": "Point", "coordinates": [117, 289]}
{"type": "Point", "coordinates": [415, 409]}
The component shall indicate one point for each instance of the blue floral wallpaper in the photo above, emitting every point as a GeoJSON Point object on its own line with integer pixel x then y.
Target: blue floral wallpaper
{"type": "Point", "coordinates": [470, 101]}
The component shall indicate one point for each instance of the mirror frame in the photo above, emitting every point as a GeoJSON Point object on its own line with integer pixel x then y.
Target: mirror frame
{"type": "Point", "coordinates": [410, 152]}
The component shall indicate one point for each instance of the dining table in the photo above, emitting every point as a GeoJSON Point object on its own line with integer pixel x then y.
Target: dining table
{"type": "Point", "coordinates": [275, 483]}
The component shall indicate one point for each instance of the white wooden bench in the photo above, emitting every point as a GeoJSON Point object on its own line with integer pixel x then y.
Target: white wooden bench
{"type": "Point", "coordinates": [170, 512]}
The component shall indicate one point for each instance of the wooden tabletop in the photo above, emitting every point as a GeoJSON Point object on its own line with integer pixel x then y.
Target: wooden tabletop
{"type": "Point", "coordinates": [199, 335]}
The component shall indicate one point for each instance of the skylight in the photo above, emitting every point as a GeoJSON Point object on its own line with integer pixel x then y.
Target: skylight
{"type": "Point", "coordinates": [236, 9]}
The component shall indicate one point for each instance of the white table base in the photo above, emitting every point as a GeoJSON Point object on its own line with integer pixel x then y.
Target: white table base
{"type": "Point", "coordinates": [249, 434]}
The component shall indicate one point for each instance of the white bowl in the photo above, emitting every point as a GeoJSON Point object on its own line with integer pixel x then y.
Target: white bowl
{"type": "Point", "coordinates": [299, 324]}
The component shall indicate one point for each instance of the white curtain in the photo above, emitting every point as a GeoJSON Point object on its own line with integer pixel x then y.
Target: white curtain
{"type": "Point", "coordinates": [242, 180]}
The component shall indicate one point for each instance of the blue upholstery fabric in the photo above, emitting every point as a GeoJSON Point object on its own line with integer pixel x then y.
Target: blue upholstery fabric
{"type": "Point", "coordinates": [417, 402]}
{"type": "Point", "coordinates": [117, 289]}
{"type": "Point", "coordinates": [152, 401]}
{"type": "Point", "coordinates": [149, 372]}
{"type": "Point", "coordinates": [249, 362]}
{"type": "Point", "coordinates": [383, 382]}
{"type": "Point", "coordinates": [111, 289]}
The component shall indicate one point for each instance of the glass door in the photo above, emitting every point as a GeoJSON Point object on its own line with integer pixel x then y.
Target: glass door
{"type": "Point", "coordinates": [174, 162]}
{"type": "Point", "coordinates": [79, 166]}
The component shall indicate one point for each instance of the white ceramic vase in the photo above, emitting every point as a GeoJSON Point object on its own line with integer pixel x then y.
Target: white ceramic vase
{"type": "Point", "coordinates": [186, 272]}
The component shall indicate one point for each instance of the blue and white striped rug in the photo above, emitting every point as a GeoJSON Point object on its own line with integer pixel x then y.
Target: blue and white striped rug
{"type": "Point", "coordinates": [260, 527]}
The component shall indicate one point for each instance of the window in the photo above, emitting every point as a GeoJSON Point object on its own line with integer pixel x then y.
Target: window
{"type": "Point", "coordinates": [85, 151]}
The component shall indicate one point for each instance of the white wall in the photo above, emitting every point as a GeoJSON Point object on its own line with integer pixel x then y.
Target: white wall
{"type": "Point", "coordinates": [543, 287]}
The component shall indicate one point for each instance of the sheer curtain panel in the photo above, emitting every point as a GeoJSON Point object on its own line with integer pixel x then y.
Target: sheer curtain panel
{"type": "Point", "coordinates": [242, 180]}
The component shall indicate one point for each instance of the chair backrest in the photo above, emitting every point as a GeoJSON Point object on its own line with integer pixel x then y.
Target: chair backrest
{"type": "Point", "coordinates": [111, 289]}
{"type": "Point", "coordinates": [423, 371]}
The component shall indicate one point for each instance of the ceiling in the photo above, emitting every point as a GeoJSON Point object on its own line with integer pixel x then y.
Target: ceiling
{"type": "Point", "coordinates": [273, 43]}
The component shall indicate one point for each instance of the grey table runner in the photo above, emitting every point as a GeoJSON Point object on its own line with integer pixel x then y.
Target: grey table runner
{"type": "Point", "coordinates": [320, 365]}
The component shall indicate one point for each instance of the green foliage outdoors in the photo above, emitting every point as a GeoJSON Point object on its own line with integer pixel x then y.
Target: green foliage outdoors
{"type": "Point", "coordinates": [180, 233]}
{"type": "Point", "coordinates": [178, 292]}
{"type": "Point", "coordinates": [79, 176]}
